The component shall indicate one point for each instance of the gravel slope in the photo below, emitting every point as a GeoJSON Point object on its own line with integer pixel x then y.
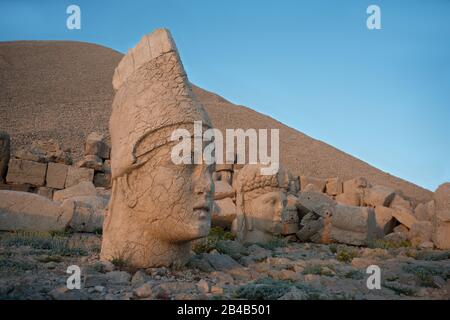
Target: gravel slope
{"type": "Point", "coordinates": [62, 90]}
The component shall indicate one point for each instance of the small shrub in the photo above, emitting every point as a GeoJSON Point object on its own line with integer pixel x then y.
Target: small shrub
{"type": "Point", "coordinates": [433, 255]}
{"type": "Point", "coordinates": [388, 244]}
{"type": "Point", "coordinates": [276, 242]}
{"type": "Point", "coordinates": [354, 274]}
{"type": "Point", "coordinates": [209, 243]}
{"type": "Point", "coordinates": [53, 242]}
{"type": "Point", "coordinates": [345, 254]}
{"type": "Point", "coordinates": [318, 269]}
{"type": "Point", "coordinates": [263, 289]}
{"type": "Point", "coordinates": [119, 262]}
{"type": "Point", "coordinates": [400, 288]}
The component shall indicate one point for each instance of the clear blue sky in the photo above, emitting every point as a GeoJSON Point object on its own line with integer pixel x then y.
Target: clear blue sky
{"type": "Point", "coordinates": [382, 96]}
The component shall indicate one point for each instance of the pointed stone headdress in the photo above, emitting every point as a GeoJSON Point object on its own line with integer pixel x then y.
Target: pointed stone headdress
{"type": "Point", "coordinates": [153, 98]}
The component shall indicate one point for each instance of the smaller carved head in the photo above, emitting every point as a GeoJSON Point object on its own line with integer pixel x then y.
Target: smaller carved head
{"type": "Point", "coordinates": [266, 205]}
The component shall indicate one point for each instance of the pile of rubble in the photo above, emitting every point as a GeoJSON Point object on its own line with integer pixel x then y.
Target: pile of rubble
{"type": "Point", "coordinates": [41, 189]}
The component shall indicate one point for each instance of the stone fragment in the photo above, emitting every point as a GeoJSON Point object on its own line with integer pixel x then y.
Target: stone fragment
{"type": "Point", "coordinates": [349, 198]}
{"type": "Point", "coordinates": [56, 175]}
{"type": "Point", "coordinates": [223, 214]}
{"type": "Point", "coordinates": [106, 166]}
{"type": "Point", "coordinates": [82, 189]}
{"type": "Point", "coordinates": [353, 225]}
{"type": "Point", "coordinates": [316, 202]}
{"type": "Point", "coordinates": [334, 186]}
{"type": "Point", "coordinates": [76, 175]}
{"type": "Point", "coordinates": [420, 232]}
{"type": "Point", "coordinates": [144, 291]}
{"type": "Point", "coordinates": [442, 202]}
{"type": "Point", "coordinates": [5, 145]}
{"type": "Point", "coordinates": [26, 172]}
{"type": "Point", "coordinates": [385, 220]}
{"type": "Point", "coordinates": [378, 196]}
{"type": "Point", "coordinates": [88, 213]}
{"type": "Point", "coordinates": [425, 211]}
{"type": "Point", "coordinates": [355, 185]}
{"type": "Point", "coordinates": [139, 278]}
{"type": "Point", "coordinates": [400, 203]}
{"type": "Point", "coordinates": [45, 151]}
{"type": "Point", "coordinates": [311, 188]}
{"type": "Point", "coordinates": [223, 190]}
{"type": "Point", "coordinates": [441, 233]}
{"type": "Point", "coordinates": [102, 180]}
{"type": "Point", "coordinates": [31, 212]}
{"type": "Point", "coordinates": [92, 162]}
{"type": "Point", "coordinates": [97, 146]}
{"type": "Point", "coordinates": [404, 216]}
{"type": "Point", "coordinates": [319, 184]}
{"type": "Point", "coordinates": [16, 187]}
{"type": "Point", "coordinates": [45, 192]}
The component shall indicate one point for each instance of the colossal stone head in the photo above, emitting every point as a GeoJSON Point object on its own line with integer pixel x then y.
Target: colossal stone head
{"type": "Point", "coordinates": [266, 205]}
{"type": "Point", "coordinates": [157, 207]}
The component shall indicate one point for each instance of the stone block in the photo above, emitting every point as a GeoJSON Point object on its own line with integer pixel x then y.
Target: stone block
{"type": "Point", "coordinates": [56, 175]}
{"type": "Point", "coordinates": [334, 186]}
{"type": "Point", "coordinates": [76, 175]}
{"type": "Point", "coordinates": [26, 172]}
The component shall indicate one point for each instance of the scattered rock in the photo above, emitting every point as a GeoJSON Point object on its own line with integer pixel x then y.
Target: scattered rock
{"type": "Point", "coordinates": [318, 184]}
{"type": "Point", "coordinates": [143, 291]}
{"type": "Point", "coordinates": [91, 161]}
{"type": "Point", "coordinates": [223, 213]}
{"type": "Point", "coordinates": [56, 175]}
{"type": "Point", "coordinates": [334, 186]}
{"type": "Point", "coordinates": [26, 172]}
{"type": "Point", "coordinates": [223, 190]}
{"type": "Point", "coordinates": [84, 188]}
{"type": "Point", "coordinates": [76, 175]}
{"type": "Point", "coordinates": [97, 146]}
{"type": "Point", "coordinates": [378, 196]}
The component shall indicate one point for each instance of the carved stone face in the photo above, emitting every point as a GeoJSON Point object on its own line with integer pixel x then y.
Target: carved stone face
{"type": "Point", "coordinates": [269, 214]}
{"type": "Point", "coordinates": [173, 201]}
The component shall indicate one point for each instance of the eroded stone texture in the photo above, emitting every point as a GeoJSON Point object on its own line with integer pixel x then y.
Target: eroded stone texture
{"type": "Point", "coordinates": [76, 175]}
{"type": "Point", "coordinates": [26, 172]}
{"type": "Point", "coordinates": [56, 175]}
{"type": "Point", "coordinates": [265, 205]}
{"type": "Point", "coordinates": [223, 214]}
{"type": "Point", "coordinates": [441, 220]}
{"type": "Point", "coordinates": [157, 207]}
{"type": "Point", "coordinates": [31, 212]}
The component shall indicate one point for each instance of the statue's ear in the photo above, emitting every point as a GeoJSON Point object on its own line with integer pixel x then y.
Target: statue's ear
{"type": "Point", "coordinates": [129, 193]}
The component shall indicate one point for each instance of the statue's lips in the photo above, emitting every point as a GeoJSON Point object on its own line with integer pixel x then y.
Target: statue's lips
{"type": "Point", "coordinates": [202, 210]}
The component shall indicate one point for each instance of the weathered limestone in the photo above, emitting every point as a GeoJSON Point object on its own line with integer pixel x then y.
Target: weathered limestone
{"type": "Point", "coordinates": [223, 190]}
{"type": "Point", "coordinates": [45, 151]}
{"type": "Point", "coordinates": [420, 232]}
{"type": "Point", "coordinates": [223, 214]}
{"type": "Point", "coordinates": [353, 192]}
{"type": "Point", "coordinates": [385, 220]}
{"type": "Point", "coordinates": [157, 207]}
{"type": "Point", "coordinates": [45, 192]}
{"type": "Point", "coordinates": [56, 175]}
{"type": "Point", "coordinates": [334, 186]}
{"type": "Point", "coordinates": [404, 216]}
{"type": "Point", "coordinates": [441, 221]}
{"type": "Point", "coordinates": [97, 146]}
{"type": "Point", "coordinates": [91, 161]}
{"type": "Point", "coordinates": [353, 225]}
{"type": "Point", "coordinates": [31, 212]}
{"type": "Point", "coordinates": [26, 172]}
{"type": "Point", "coordinates": [76, 175]}
{"type": "Point", "coordinates": [399, 202]}
{"type": "Point", "coordinates": [264, 207]}
{"type": "Point", "coordinates": [425, 211]}
{"type": "Point", "coordinates": [319, 184]}
{"type": "Point", "coordinates": [88, 213]}
{"type": "Point", "coordinates": [5, 144]}
{"type": "Point", "coordinates": [316, 202]}
{"type": "Point", "coordinates": [378, 196]}
{"type": "Point", "coordinates": [84, 188]}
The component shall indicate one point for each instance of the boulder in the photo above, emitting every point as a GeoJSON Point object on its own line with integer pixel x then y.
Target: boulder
{"type": "Point", "coordinates": [106, 166]}
{"type": "Point", "coordinates": [224, 212]}
{"type": "Point", "coordinates": [441, 219]}
{"type": "Point", "coordinates": [424, 211]}
{"type": "Point", "coordinates": [334, 186]}
{"type": "Point", "coordinates": [319, 184]}
{"type": "Point", "coordinates": [91, 161]}
{"type": "Point", "coordinates": [353, 225]}
{"type": "Point", "coordinates": [223, 190]}
{"type": "Point", "coordinates": [26, 172]}
{"type": "Point", "coordinates": [45, 151]}
{"type": "Point", "coordinates": [97, 146]}
{"type": "Point", "coordinates": [102, 179]}
{"type": "Point", "coordinates": [355, 185]}
{"type": "Point", "coordinates": [404, 216]}
{"type": "Point", "coordinates": [316, 202]}
{"type": "Point", "coordinates": [312, 188]}
{"type": "Point", "coordinates": [385, 220]}
{"type": "Point", "coordinates": [353, 191]}
{"type": "Point", "coordinates": [45, 192]}
{"type": "Point", "coordinates": [87, 213]}
{"type": "Point", "coordinates": [31, 212]}
{"type": "Point", "coordinates": [420, 232]}
{"type": "Point", "coordinates": [378, 196]}
{"type": "Point", "coordinates": [56, 175]}
{"type": "Point", "coordinates": [76, 175]}
{"type": "Point", "coordinates": [442, 201]}
{"type": "Point", "coordinates": [82, 189]}
{"type": "Point", "coordinates": [5, 144]}
{"type": "Point", "coordinates": [16, 187]}
{"type": "Point", "coordinates": [398, 202]}
{"type": "Point", "coordinates": [349, 198]}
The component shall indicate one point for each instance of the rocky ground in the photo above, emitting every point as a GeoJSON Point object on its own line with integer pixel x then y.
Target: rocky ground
{"type": "Point", "coordinates": [34, 265]}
